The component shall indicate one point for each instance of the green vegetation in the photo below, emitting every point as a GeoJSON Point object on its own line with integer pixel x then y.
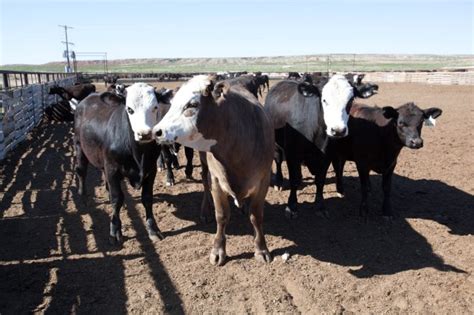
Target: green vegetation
{"type": "Point", "coordinates": [336, 62]}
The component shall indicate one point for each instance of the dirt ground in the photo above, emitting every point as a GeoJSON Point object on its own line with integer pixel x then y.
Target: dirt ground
{"type": "Point", "coordinates": [55, 256]}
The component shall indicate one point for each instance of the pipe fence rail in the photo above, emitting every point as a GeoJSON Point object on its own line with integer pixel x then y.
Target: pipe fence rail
{"type": "Point", "coordinates": [24, 97]}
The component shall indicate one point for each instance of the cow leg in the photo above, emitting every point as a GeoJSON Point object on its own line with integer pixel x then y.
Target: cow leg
{"type": "Point", "coordinates": [387, 185]}
{"type": "Point", "coordinates": [363, 171]}
{"type": "Point", "coordinates": [294, 169]}
{"type": "Point", "coordinates": [167, 156]}
{"type": "Point", "coordinates": [161, 164]}
{"type": "Point", "coordinates": [81, 171]}
{"type": "Point", "coordinates": [116, 199]}
{"type": "Point", "coordinates": [320, 179]}
{"type": "Point", "coordinates": [154, 232]}
{"type": "Point", "coordinates": [206, 205]}
{"type": "Point", "coordinates": [278, 183]}
{"type": "Point", "coordinates": [189, 152]}
{"type": "Point", "coordinates": [256, 217]}
{"type": "Point", "coordinates": [338, 165]}
{"type": "Point", "coordinates": [174, 155]}
{"type": "Point", "coordinates": [279, 157]}
{"type": "Point", "coordinates": [221, 203]}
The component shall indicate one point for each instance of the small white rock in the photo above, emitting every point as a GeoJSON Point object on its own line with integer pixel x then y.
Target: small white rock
{"type": "Point", "coordinates": [285, 257]}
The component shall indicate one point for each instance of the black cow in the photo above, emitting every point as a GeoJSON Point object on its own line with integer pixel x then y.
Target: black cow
{"type": "Point", "coordinates": [249, 82]}
{"type": "Point", "coordinates": [110, 79]}
{"type": "Point", "coordinates": [293, 76]}
{"type": "Point", "coordinates": [376, 137]}
{"type": "Point", "coordinates": [113, 133]}
{"type": "Point", "coordinates": [73, 94]}
{"type": "Point", "coordinates": [262, 82]}
{"type": "Point", "coordinates": [305, 116]}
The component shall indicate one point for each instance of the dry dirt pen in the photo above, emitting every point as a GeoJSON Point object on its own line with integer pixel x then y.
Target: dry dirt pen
{"type": "Point", "coordinates": [55, 256]}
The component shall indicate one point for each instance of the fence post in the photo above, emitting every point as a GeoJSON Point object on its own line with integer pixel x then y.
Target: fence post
{"type": "Point", "coordinates": [5, 81]}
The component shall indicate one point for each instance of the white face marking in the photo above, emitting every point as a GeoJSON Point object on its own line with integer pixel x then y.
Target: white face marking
{"type": "Point", "coordinates": [73, 103]}
{"type": "Point", "coordinates": [335, 96]}
{"type": "Point", "coordinates": [142, 106]}
{"type": "Point", "coordinates": [180, 122]}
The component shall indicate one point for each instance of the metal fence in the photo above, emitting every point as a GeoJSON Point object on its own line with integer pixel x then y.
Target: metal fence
{"type": "Point", "coordinates": [23, 99]}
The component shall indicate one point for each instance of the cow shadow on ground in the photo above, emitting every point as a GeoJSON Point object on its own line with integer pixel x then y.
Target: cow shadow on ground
{"type": "Point", "coordinates": [368, 248]}
{"type": "Point", "coordinates": [55, 253]}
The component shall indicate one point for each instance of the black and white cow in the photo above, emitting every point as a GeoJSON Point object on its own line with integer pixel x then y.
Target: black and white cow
{"type": "Point", "coordinates": [305, 117]}
{"type": "Point", "coordinates": [114, 134]}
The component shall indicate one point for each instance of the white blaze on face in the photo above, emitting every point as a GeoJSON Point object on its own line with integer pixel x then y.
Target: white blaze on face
{"type": "Point", "coordinates": [142, 106]}
{"type": "Point", "coordinates": [335, 96]}
{"type": "Point", "coordinates": [180, 122]}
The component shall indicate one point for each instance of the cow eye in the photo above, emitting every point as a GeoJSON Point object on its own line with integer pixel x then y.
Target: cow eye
{"type": "Point", "coordinates": [155, 108]}
{"type": "Point", "coordinates": [130, 110]}
{"type": "Point", "coordinates": [191, 104]}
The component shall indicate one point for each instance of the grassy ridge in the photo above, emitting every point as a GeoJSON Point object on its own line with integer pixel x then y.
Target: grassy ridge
{"type": "Point", "coordinates": [337, 62]}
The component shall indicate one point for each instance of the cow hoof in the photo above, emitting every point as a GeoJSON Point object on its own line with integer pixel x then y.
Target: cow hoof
{"type": "Point", "coordinates": [155, 236]}
{"type": "Point", "coordinates": [278, 188]}
{"type": "Point", "coordinates": [263, 256]}
{"type": "Point", "coordinates": [217, 257]}
{"type": "Point", "coordinates": [339, 195]}
{"type": "Point", "coordinates": [170, 183]}
{"type": "Point", "coordinates": [189, 177]}
{"type": "Point", "coordinates": [160, 169]}
{"type": "Point", "coordinates": [290, 214]}
{"type": "Point", "coordinates": [116, 239]}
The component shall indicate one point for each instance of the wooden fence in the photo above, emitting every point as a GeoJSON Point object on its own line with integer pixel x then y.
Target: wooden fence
{"type": "Point", "coordinates": [22, 108]}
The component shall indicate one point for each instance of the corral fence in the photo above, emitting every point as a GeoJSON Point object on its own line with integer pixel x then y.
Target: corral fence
{"type": "Point", "coordinates": [23, 99]}
{"type": "Point", "coordinates": [24, 95]}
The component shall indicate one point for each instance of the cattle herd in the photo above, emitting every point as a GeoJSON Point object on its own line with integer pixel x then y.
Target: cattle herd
{"type": "Point", "coordinates": [311, 120]}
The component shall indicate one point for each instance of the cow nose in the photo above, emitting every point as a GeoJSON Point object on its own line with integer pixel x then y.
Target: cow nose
{"type": "Point", "coordinates": [338, 132]}
{"type": "Point", "coordinates": [144, 134]}
{"type": "Point", "coordinates": [159, 133]}
{"type": "Point", "coordinates": [416, 143]}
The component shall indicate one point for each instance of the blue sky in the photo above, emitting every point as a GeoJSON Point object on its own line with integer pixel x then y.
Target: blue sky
{"type": "Point", "coordinates": [29, 31]}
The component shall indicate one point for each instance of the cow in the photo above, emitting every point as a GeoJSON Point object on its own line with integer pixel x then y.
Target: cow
{"type": "Point", "coordinates": [118, 89]}
{"type": "Point", "coordinates": [248, 82]}
{"type": "Point", "coordinates": [305, 116]}
{"type": "Point", "coordinates": [114, 134]}
{"type": "Point", "coordinates": [110, 78]}
{"type": "Point", "coordinates": [262, 82]}
{"type": "Point", "coordinates": [376, 137]}
{"type": "Point", "coordinates": [73, 94]}
{"type": "Point", "coordinates": [230, 128]}
{"type": "Point", "coordinates": [293, 76]}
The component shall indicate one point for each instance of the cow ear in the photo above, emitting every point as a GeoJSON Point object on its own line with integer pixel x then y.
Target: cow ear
{"type": "Point", "coordinates": [164, 95]}
{"type": "Point", "coordinates": [220, 90]}
{"type": "Point", "coordinates": [308, 90]}
{"type": "Point", "coordinates": [390, 112]}
{"type": "Point", "coordinates": [365, 90]}
{"type": "Point", "coordinates": [209, 88]}
{"type": "Point", "coordinates": [432, 112]}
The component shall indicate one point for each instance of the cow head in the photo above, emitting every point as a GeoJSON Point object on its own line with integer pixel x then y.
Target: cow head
{"type": "Point", "coordinates": [408, 120]}
{"type": "Point", "coordinates": [142, 109]}
{"type": "Point", "coordinates": [182, 122]}
{"type": "Point", "coordinates": [362, 90]}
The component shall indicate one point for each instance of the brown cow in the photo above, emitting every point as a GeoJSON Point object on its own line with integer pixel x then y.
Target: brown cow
{"type": "Point", "coordinates": [230, 127]}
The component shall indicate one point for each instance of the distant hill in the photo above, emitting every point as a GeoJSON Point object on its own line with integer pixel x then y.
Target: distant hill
{"type": "Point", "coordinates": [333, 62]}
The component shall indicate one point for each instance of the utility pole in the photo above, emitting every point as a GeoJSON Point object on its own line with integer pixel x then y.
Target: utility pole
{"type": "Point", "coordinates": [67, 46]}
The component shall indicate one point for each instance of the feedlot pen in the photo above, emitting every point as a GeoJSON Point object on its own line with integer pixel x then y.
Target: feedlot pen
{"type": "Point", "coordinates": [55, 256]}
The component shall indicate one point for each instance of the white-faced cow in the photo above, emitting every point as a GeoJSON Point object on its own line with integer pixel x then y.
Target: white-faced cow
{"type": "Point", "coordinates": [114, 134]}
{"type": "Point", "coordinates": [230, 127]}
{"type": "Point", "coordinates": [305, 116]}
{"type": "Point", "coordinates": [375, 140]}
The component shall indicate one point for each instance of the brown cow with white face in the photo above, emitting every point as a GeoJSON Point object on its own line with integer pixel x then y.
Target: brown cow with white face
{"type": "Point", "coordinates": [230, 128]}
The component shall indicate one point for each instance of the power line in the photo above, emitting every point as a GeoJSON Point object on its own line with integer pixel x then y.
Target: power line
{"type": "Point", "coordinates": [67, 46]}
